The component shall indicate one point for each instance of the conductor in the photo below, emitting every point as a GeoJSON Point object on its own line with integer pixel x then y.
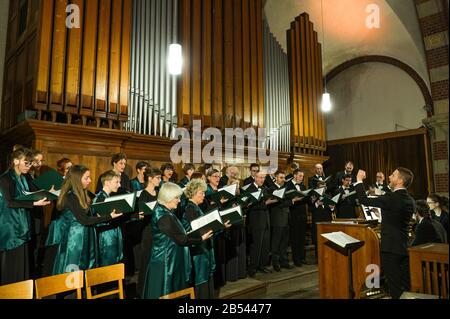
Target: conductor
{"type": "Point", "coordinates": [397, 209]}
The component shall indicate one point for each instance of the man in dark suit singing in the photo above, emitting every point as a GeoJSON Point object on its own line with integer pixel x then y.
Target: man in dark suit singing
{"type": "Point", "coordinates": [259, 226]}
{"type": "Point", "coordinates": [254, 169]}
{"type": "Point", "coordinates": [397, 209]}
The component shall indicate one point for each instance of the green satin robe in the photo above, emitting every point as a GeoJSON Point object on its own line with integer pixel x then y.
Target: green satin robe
{"type": "Point", "coordinates": [14, 222]}
{"type": "Point", "coordinates": [77, 244]}
{"type": "Point", "coordinates": [110, 242]}
{"type": "Point", "coordinates": [203, 254]}
{"type": "Point", "coordinates": [169, 266]}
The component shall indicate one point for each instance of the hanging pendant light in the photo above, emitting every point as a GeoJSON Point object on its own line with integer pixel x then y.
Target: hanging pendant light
{"type": "Point", "coordinates": [326, 98]}
{"type": "Point", "coordinates": [175, 59]}
{"type": "Point", "coordinates": [326, 102]}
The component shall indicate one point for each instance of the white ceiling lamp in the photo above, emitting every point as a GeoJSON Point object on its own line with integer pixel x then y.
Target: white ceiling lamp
{"type": "Point", "coordinates": [326, 98]}
{"type": "Point", "coordinates": [175, 59]}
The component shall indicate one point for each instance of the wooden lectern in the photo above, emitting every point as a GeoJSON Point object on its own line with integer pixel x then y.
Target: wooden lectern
{"type": "Point", "coordinates": [333, 266]}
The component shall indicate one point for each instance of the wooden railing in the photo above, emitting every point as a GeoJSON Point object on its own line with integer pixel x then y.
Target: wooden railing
{"type": "Point", "coordinates": [429, 269]}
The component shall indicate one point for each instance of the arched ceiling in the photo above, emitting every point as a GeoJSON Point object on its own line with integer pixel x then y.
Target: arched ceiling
{"type": "Point", "coordinates": [346, 34]}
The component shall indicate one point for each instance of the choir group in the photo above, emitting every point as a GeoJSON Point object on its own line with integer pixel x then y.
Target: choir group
{"type": "Point", "coordinates": [161, 246]}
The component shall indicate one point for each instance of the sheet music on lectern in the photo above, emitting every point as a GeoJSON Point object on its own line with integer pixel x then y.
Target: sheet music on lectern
{"type": "Point", "coordinates": [372, 213]}
{"type": "Point", "coordinates": [340, 238]}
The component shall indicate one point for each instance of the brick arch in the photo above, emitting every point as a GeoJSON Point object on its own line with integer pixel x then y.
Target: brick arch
{"type": "Point", "coordinates": [387, 60]}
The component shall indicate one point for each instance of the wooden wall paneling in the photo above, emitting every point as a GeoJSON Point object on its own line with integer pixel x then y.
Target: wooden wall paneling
{"type": "Point", "coordinates": [253, 64]}
{"type": "Point", "coordinates": [115, 57]}
{"type": "Point", "coordinates": [9, 99]}
{"type": "Point", "coordinates": [313, 36]}
{"type": "Point", "coordinates": [319, 96]}
{"type": "Point", "coordinates": [218, 64]}
{"type": "Point", "coordinates": [58, 57]}
{"type": "Point", "coordinates": [259, 37]}
{"type": "Point", "coordinates": [44, 52]}
{"type": "Point", "coordinates": [246, 63]}
{"type": "Point", "coordinates": [8, 95]}
{"type": "Point", "coordinates": [73, 71]}
{"type": "Point", "coordinates": [297, 49]}
{"type": "Point", "coordinates": [196, 25]}
{"type": "Point", "coordinates": [103, 55]}
{"type": "Point", "coordinates": [30, 78]}
{"type": "Point", "coordinates": [293, 89]}
{"type": "Point", "coordinates": [238, 59]}
{"type": "Point", "coordinates": [19, 84]}
{"type": "Point", "coordinates": [125, 59]}
{"type": "Point", "coordinates": [90, 27]}
{"type": "Point", "coordinates": [206, 62]}
{"type": "Point", "coordinates": [321, 91]}
{"type": "Point", "coordinates": [184, 104]}
{"type": "Point", "coordinates": [228, 65]}
{"type": "Point", "coordinates": [304, 80]}
{"type": "Point", "coordinates": [308, 26]}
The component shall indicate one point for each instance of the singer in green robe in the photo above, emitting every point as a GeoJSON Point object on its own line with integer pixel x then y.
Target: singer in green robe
{"type": "Point", "coordinates": [74, 230]}
{"type": "Point", "coordinates": [202, 254]}
{"type": "Point", "coordinates": [170, 265]}
{"type": "Point", "coordinates": [110, 242]}
{"type": "Point", "coordinates": [15, 219]}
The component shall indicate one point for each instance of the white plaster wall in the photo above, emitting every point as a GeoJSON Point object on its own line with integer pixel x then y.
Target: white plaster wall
{"type": "Point", "coordinates": [346, 33]}
{"type": "Point", "coordinates": [371, 99]}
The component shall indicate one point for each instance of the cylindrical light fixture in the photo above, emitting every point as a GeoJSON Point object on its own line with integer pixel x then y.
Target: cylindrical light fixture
{"type": "Point", "coordinates": [326, 102]}
{"type": "Point", "coordinates": [175, 59]}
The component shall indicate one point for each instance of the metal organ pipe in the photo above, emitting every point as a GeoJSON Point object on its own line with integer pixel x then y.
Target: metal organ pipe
{"type": "Point", "coordinates": [277, 104]}
{"type": "Point", "coordinates": [152, 93]}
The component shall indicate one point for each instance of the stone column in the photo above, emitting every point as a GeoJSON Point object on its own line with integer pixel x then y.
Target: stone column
{"type": "Point", "coordinates": [438, 125]}
{"type": "Point", "coordinates": [433, 20]}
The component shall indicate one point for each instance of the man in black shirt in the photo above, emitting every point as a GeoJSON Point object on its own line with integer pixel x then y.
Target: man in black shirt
{"type": "Point", "coordinates": [298, 219]}
{"type": "Point", "coordinates": [346, 206]}
{"type": "Point", "coordinates": [318, 179]}
{"type": "Point", "coordinates": [279, 220]}
{"type": "Point", "coordinates": [254, 169]}
{"type": "Point", "coordinates": [259, 226]}
{"type": "Point", "coordinates": [348, 170]}
{"type": "Point", "coordinates": [397, 209]}
{"type": "Point", "coordinates": [381, 185]}
{"type": "Point", "coordinates": [118, 162]}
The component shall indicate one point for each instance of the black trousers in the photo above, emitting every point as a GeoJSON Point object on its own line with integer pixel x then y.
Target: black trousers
{"type": "Point", "coordinates": [236, 267]}
{"type": "Point", "coordinates": [220, 255]}
{"type": "Point", "coordinates": [318, 215]}
{"type": "Point", "coordinates": [205, 290]}
{"type": "Point", "coordinates": [146, 254]}
{"type": "Point", "coordinates": [259, 249]}
{"type": "Point", "coordinates": [297, 232]}
{"type": "Point", "coordinates": [396, 272]}
{"type": "Point", "coordinates": [14, 265]}
{"type": "Point", "coordinates": [132, 236]}
{"type": "Point", "coordinates": [279, 245]}
{"type": "Point", "coordinates": [49, 260]}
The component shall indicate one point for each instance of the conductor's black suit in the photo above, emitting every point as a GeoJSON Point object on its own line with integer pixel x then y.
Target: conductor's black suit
{"type": "Point", "coordinates": [397, 209]}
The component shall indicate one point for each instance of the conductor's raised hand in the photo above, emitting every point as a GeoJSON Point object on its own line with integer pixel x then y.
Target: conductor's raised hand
{"type": "Point", "coordinates": [207, 235]}
{"type": "Point", "coordinates": [361, 176]}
